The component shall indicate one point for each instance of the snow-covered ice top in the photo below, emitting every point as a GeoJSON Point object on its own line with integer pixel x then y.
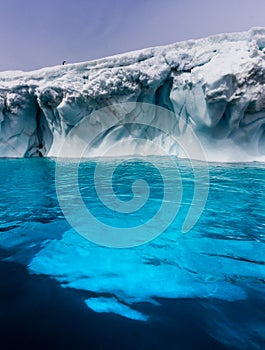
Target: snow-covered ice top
{"type": "Point", "coordinates": [215, 84]}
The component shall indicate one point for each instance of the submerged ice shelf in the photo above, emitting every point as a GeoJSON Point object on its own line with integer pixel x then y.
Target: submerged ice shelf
{"type": "Point", "coordinates": [216, 85]}
{"type": "Point", "coordinates": [221, 259]}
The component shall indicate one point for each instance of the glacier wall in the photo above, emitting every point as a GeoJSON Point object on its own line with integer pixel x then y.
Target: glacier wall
{"type": "Point", "coordinates": [216, 85]}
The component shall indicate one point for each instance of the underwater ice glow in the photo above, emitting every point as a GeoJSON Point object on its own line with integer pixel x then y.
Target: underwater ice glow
{"type": "Point", "coordinates": [222, 257]}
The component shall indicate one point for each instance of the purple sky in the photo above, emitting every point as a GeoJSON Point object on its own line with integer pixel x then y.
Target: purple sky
{"type": "Point", "coordinates": [36, 33]}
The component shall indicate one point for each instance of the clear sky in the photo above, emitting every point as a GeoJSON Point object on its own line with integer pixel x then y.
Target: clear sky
{"type": "Point", "coordinates": [36, 33]}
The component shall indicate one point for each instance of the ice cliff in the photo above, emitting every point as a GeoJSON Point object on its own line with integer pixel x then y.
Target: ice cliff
{"type": "Point", "coordinates": [216, 85]}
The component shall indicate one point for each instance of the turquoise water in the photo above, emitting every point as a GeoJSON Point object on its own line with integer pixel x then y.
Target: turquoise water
{"type": "Point", "coordinates": [218, 265]}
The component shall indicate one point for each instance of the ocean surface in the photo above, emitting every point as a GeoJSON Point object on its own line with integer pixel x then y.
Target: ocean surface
{"type": "Point", "coordinates": [64, 284]}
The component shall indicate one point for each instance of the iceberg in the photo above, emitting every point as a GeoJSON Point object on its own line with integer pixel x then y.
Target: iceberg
{"type": "Point", "coordinates": [212, 87]}
{"type": "Point", "coordinates": [215, 85]}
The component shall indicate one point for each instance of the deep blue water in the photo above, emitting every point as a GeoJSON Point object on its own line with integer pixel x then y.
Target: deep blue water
{"type": "Point", "coordinates": [203, 289]}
